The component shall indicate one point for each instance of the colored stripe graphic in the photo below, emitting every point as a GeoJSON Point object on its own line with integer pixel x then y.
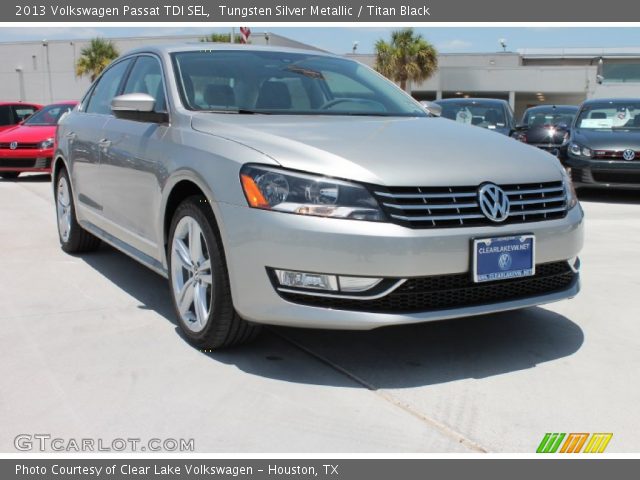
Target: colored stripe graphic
{"type": "Point", "coordinates": [598, 442]}
{"type": "Point", "coordinates": [550, 442]}
{"type": "Point", "coordinates": [574, 443]}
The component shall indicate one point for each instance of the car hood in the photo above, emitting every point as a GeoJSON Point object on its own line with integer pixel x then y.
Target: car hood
{"type": "Point", "coordinates": [608, 139]}
{"type": "Point", "coordinates": [546, 135]}
{"type": "Point", "coordinates": [396, 151]}
{"type": "Point", "coordinates": [27, 134]}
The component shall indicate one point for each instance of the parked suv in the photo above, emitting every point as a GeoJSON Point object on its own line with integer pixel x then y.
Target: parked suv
{"type": "Point", "coordinates": [292, 187]}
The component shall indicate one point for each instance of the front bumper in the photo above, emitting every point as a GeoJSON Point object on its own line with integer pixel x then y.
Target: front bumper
{"type": "Point", "coordinates": [25, 160]}
{"type": "Point", "coordinates": [255, 240]}
{"type": "Point", "coordinates": [614, 174]}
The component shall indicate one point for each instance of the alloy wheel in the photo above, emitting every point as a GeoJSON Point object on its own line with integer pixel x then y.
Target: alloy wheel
{"type": "Point", "coordinates": [191, 279]}
{"type": "Point", "coordinates": [63, 208]}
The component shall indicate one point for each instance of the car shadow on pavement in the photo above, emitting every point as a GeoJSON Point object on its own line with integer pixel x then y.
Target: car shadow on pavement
{"type": "Point", "coordinates": [34, 178]}
{"type": "Point", "coordinates": [391, 357]}
{"type": "Point", "coordinates": [631, 197]}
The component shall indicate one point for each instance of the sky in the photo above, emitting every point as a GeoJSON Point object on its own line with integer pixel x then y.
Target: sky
{"type": "Point", "coordinates": [340, 39]}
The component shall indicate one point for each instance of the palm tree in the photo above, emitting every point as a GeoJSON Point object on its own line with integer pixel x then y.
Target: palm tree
{"type": "Point", "coordinates": [407, 57]}
{"type": "Point", "coordinates": [95, 57]}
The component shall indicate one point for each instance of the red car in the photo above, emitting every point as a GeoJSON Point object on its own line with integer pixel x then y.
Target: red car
{"type": "Point", "coordinates": [12, 113]}
{"type": "Point", "coordinates": [28, 147]}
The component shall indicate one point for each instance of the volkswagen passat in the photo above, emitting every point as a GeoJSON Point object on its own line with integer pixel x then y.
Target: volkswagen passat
{"type": "Point", "coordinates": [299, 188]}
{"type": "Point", "coordinates": [604, 149]}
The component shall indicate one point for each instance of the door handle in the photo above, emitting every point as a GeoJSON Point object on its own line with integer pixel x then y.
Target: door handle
{"type": "Point", "coordinates": [104, 143]}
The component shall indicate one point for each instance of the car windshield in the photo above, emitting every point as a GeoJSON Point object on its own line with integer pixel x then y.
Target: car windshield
{"type": "Point", "coordinates": [610, 116]}
{"type": "Point", "coordinates": [482, 114]}
{"type": "Point", "coordinates": [249, 81]}
{"type": "Point", "coordinates": [549, 117]}
{"type": "Point", "coordinates": [49, 115]}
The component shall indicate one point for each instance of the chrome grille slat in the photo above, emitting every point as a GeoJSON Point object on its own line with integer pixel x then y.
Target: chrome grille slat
{"type": "Point", "coordinates": [438, 217]}
{"type": "Point", "coordinates": [426, 195]}
{"type": "Point", "coordinates": [450, 207]}
{"type": "Point", "coordinates": [426, 206]}
{"type": "Point", "coordinates": [537, 212]}
{"type": "Point", "coordinates": [537, 200]}
{"type": "Point", "coordinates": [534, 190]}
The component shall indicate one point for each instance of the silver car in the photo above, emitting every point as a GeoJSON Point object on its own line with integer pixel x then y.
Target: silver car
{"type": "Point", "coordinates": [291, 187]}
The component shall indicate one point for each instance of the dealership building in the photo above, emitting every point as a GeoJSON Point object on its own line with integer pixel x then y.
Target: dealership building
{"type": "Point", "coordinates": [44, 71]}
{"type": "Point", "coordinates": [533, 76]}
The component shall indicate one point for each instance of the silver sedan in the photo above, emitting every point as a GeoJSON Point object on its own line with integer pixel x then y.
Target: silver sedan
{"type": "Point", "coordinates": [290, 187]}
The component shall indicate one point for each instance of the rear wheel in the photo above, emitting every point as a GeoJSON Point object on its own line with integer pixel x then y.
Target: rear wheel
{"type": "Point", "coordinates": [73, 238]}
{"type": "Point", "coordinates": [199, 280]}
{"type": "Point", "coordinates": [9, 175]}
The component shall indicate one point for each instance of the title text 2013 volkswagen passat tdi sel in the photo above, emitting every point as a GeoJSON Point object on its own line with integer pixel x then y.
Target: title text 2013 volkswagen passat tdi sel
{"type": "Point", "coordinates": [299, 188]}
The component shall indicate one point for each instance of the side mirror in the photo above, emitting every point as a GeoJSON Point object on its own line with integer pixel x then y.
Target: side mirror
{"type": "Point", "coordinates": [432, 108]}
{"type": "Point", "coordinates": [137, 107]}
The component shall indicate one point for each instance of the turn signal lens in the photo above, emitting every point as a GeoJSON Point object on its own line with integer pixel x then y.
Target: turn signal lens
{"type": "Point", "coordinates": [252, 192]}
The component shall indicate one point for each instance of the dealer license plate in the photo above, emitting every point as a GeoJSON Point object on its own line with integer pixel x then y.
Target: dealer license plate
{"type": "Point", "coordinates": [502, 258]}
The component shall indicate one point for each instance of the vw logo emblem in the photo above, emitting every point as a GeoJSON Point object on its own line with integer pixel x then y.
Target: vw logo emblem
{"type": "Point", "coordinates": [629, 154]}
{"type": "Point", "coordinates": [13, 145]}
{"type": "Point", "coordinates": [505, 261]}
{"type": "Point", "coordinates": [494, 202]}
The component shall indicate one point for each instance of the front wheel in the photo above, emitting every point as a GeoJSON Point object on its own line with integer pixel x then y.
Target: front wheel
{"type": "Point", "coordinates": [199, 280]}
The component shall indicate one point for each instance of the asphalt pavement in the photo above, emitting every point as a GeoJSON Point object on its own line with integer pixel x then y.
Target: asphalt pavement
{"type": "Point", "coordinates": [89, 348]}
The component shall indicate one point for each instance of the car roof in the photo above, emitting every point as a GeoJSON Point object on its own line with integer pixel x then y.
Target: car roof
{"type": "Point", "coordinates": [611, 100]}
{"type": "Point", "coordinates": [211, 46]}
{"type": "Point", "coordinates": [27, 104]}
{"type": "Point", "coordinates": [471, 100]}
{"type": "Point", "coordinates": [544, 107]}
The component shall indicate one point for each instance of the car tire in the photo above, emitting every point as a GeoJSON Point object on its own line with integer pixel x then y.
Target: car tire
{"type": "Point", "coordinates": [9, 175]}
{"type": "Point", "coordinates": [199, 280]}
{"type": "Point", "coordinates": [73, 238]}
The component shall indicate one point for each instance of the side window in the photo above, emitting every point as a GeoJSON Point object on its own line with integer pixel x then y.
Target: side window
{"type": "Point", "coordinates": [5, 116]}
{"type": "Point", "coordinates": [107, 88]}
{"type": "Point", "coordinates": [22, 112]}
{"type": "Point", "coordinates": [146, 77]}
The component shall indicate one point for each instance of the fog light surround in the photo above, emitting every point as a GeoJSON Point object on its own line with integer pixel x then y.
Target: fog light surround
{"type": "Point", "coordinates": [316, 281]}
{"type": "Point", "coordinates": [574, 264]}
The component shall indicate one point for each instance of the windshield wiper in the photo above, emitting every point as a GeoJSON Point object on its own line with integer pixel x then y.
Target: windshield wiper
{"type": "Point", "coordinates": [241, 111]}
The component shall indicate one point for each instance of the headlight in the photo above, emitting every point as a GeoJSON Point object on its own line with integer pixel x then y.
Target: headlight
{"type": "Point", "coordinates": [305, 194]}
{"type": "Point", "coordinates": [578, 150]}
{"type": "Point", "coordinates": [48, 143]}
{"type": "Point", "coordinates": [569, 190]}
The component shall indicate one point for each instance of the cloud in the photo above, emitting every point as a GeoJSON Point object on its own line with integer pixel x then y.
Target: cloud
{"type": "Point", "coordinates": [455, 44]}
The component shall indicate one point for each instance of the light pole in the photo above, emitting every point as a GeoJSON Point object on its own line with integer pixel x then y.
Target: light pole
{"type": "Point", "coordinates": [45, 44]}
{"type": "Point", "coordinates": [21, 82]}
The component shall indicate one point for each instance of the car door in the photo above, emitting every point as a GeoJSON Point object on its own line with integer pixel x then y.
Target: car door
{"type": "Point", "coordinates": [82, 132]}
{"type": "Point", "coordinates": [133, 166]}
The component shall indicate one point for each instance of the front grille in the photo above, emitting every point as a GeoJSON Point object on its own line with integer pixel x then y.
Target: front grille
{"type": "Point", "coordinates": [612, 155]}
{"type": "Point", "coordinates": [19, 146]}
{"type": "Point", "coordinates": [440, 292]}
{"type": "Point", "coordinates": [616, 177]}
{"type": "Point", "coordinates": [25, 162]}
{"type": "Point", "coordinates": [441, 207]}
